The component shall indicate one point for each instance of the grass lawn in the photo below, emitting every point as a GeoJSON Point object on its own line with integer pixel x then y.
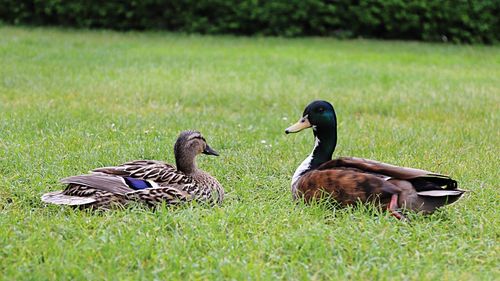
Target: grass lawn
{"type": "Point", "coordinates": [74, 100]}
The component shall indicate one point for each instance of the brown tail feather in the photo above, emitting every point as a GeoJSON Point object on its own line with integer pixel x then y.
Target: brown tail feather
{"type": "Point", "coordinates": [58, 198]}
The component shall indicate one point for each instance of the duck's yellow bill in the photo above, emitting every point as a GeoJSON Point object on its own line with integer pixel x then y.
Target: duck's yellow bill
{"type": "Point", "coordinates": [302, 124]}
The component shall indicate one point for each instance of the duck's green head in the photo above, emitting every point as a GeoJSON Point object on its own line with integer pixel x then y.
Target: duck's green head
{"type": "Point", "coordinates": [319, 115]}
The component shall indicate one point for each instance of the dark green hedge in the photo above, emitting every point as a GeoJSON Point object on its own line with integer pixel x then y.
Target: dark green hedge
{"type": "Point", "coordinates": [470, 21]}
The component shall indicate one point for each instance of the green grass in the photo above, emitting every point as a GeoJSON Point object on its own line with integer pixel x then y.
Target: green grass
{"type": "Point", "coordinates": [74, 100]}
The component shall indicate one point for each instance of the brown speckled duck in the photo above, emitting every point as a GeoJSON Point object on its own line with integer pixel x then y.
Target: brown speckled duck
{"type": "Point", "coordinates": [348, 180]}
{"type": "Point", "coordinates": [146, 181]}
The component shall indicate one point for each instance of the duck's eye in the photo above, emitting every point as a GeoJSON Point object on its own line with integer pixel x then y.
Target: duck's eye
{"type": "Point", "coordinates": [200, 138]}
{"type": "Point", "coordinates": [321, 109]}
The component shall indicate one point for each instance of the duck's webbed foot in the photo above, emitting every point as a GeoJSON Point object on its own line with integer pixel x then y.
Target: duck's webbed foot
{"type": "Point", "coordinates": [393, 209]}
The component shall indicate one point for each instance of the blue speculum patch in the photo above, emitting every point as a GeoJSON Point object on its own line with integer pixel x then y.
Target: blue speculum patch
{"type": "Point", "coordinates": [136, 183]}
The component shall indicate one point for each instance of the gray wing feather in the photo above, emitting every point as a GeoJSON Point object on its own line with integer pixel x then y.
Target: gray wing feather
{"type": "Point", "coordinates": [157, 171]}
{"type": "Point", "coordinates": [104, 182]}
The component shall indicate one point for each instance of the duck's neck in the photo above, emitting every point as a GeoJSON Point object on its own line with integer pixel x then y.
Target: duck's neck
{"type": "Point", "coordinates": [325, 140]}
{"type": "Point", "coordinates": [324, 146]}
{"type": "Point", "coordinates": [185, 163]}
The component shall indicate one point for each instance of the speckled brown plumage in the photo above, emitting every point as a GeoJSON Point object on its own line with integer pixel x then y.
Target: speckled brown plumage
{"type": "Point", "coordinates": [147, 181]}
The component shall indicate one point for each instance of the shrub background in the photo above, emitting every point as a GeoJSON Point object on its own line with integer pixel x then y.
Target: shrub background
{"type": "Point", "coordinates": [473, 21]}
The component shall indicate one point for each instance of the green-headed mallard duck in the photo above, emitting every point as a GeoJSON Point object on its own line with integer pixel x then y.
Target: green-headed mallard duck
{"type": "Point", "coordinates": [146, 181]}
{"type": "Point", "coordinates": [348, 180]}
